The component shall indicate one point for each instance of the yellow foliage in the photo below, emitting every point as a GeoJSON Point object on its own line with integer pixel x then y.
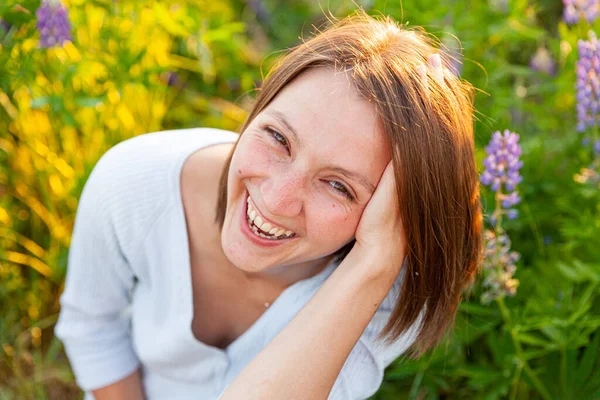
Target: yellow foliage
{"type": "Point", "coordinates": [23, 97]}
{"type": "Point", "coordinates": [29, 44]}
{"type": "Point", "coordinates": [58, 87]}
{"type": "Point", "coordinates": [8, 106]}
{"type": "Point", "coordinates": [4, 217]}
{"type": "Point", "coordinates": [41, 80]}
{"type": "Point", "coordinates": [24, 259]}
{"type": "Point", "coordinates": [158, 110]}
{"type": "Point", "coordinates": [113, 96]}
{"type": "Point", "coordinates": [94, 19]}
{"type": "Point", "coordinates": [34, 122]}
{"type": "Point", "coordinates": [22, 161]}
{"type": "Point", "coordinates": [166, 20]}
{"type": "Point", "coordinates": [65, 169]}
{"type": "Point", "coordinates": [56, 185]}
{"type": "Point", "coordinates": [125, 116]}
{"type": "Point", "coordinates": [72, 52]}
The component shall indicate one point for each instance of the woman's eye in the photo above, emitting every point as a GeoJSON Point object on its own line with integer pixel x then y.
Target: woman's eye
{"type": "Point", "coordinates": [278, 137]}
{"type": "Point", "coordinates": [341, 188]}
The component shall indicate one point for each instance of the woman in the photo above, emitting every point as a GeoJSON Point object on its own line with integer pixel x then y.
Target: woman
{"type": "Point", "coordinates": [347, 224]}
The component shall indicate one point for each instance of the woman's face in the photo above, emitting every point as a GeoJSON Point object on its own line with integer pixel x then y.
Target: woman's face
{"type": "Point", "coordinates": [306, 167]}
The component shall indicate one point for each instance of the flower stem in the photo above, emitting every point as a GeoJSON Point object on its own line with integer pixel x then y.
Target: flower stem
{"type": "Point", "coordinates": [498, 212]}
{"type": "Point", "coordinates": [515, 385]}
{"type": "Point", "coordinates": [539, 386]}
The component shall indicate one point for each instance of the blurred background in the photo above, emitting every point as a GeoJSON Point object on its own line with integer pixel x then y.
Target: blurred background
{"type": "Point", "coordinates": [79, 76]}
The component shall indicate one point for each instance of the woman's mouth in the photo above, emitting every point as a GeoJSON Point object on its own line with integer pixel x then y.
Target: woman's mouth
{"type": "Point", "coordinates": [260, 227]}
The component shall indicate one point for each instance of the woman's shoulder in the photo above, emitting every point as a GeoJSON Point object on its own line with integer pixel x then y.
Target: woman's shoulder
{"type": "Point", "coordinates": [158, 146]}
{"type": "Point", "coordinates": [151, 155]}
{"type": "Point", "coordinates": [148, 162]}
{"type": "Point", "coordinates": [135, 180]}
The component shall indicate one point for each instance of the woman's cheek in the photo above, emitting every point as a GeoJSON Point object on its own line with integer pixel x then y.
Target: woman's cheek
{"type": "Point", "coordinates": [334, 222]}
{"type": "Point", "coordinates": [254, 159]}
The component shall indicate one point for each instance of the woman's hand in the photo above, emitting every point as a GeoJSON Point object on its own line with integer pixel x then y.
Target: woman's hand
{"type": "Point", "coordinates": [380, 232]}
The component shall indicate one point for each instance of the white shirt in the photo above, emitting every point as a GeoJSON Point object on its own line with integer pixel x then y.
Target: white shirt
{"type": "Point", "coordinates": [128, 300]}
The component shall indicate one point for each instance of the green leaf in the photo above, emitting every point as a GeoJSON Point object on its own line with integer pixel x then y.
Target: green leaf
{"type": "Point", "coordinates": [533, 340]}
{"type": "Point", "coordinates": [39, 102]}
{"type": "Point", "coordinates": [88, 101]}
{"type": "Point", "coordinates": [569, 272]}
{"type": "Point", "coordinates": [478, 309]}
{"type": "Point", "coordinates": [591, 357]}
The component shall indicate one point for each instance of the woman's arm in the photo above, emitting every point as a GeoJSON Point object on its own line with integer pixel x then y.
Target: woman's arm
{"type": "Point", "coordinates": [94, 324]}
{"type": "Point", "coordinates": [306, 357]}
{"type": "Point", "coordinates": [128, 388]}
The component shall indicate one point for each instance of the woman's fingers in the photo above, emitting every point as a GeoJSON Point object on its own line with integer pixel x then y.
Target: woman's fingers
{"type": "Point", "coordinates": [380, 214]}
{"type": "Point", "coordinates": [380, 232]}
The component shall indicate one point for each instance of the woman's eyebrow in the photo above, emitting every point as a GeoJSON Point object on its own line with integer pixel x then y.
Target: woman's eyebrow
{"type": "Point", "coordinates": [360, 178]}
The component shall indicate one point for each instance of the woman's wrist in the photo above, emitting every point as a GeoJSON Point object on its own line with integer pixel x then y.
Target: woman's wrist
{"type": "Point", "coordinates": [375, 261]}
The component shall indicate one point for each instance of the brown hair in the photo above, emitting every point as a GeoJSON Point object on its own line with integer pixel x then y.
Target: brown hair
{"type": "Point", "coordinates": [429, 124]}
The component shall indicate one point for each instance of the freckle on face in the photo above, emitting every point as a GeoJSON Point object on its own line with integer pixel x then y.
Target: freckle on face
{"type": "Point", "coordinates": [239, 171]}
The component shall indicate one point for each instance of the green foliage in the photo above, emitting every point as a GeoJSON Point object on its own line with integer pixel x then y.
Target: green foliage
{"type": "Point", "coordinates": [136, 67]}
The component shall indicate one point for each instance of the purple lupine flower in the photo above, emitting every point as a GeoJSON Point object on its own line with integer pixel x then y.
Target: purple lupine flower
{"type": "Point", "coordinates": [570, 14]}
{"type": "Point", "coordinates": [502, 163]}
{"type": "Point", "coordinates": [511, 200]}
{"type": "Point", "coordinates": [502, 166]}
{"type": "Point", "coordinates": [499, 266]}
{"type": "Point", "coordinates": [575, 10]}
{"type": "Point", "coordinates": [588, 83]}
{"type": "Point", "coordinates": [53, 24]}
{"type": "Point", "coordinates": [543, 62]}
{"type": "Point", "coordinates": [262, 13]}
{"type": "Point", "coordinates": [172, 78]}
{"type": "Point", "coordinates": [501, 173]}
{"type": "Point", "coordinates": [512, 213]}
{"type": "Point", "coordinates": [5, 26]}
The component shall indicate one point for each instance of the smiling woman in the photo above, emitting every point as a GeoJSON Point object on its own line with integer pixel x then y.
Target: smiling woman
{"type": "Point", "coordinates": [308, 162]}
{"type": "Point", "coordinates": [347, 224]}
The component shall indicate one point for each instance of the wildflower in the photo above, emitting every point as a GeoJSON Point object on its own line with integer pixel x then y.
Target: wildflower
{"type": "Point", "coordinates": [543, 62]}
{"type": "Point", "coordinates": [499, 266]}
{"type": "Point", "coordinates": [512, 213]}
{"type": "Point", "coordinates": [53, 23]}
{"type": "Point", "coordinates": [172, 78]}
{"type": "Point", "coordinates": [502, 166]}
{"type": "Point", "coordinates": [4, 26]}
{"type": "Point", "coordinates": [588, 83]}
{"type": "Point", "coordinates": [575, 10]}
{"type": "Point", "coordinates": [501, 173]}
{"type": "Point", "coordinates": [589, 176]}
{"type": "Point", "coordinates": [260, 10]}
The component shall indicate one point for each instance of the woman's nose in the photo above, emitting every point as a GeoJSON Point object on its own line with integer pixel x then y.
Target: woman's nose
{"type": "Point", "coordinates": [282, 195]}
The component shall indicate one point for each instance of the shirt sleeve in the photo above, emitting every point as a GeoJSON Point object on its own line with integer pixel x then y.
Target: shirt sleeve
{"type": "Point", "coordinates": [93, 323]}
{"type": "Point", "coordinates": [362, 374]}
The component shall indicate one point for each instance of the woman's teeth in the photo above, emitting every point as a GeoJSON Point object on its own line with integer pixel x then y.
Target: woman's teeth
{"type": "Point", "coordinates": [265, 229]}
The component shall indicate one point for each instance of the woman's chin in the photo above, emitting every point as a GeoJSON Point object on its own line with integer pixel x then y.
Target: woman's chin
{"type": "Point", "coordinates": [246, 263]}
{"type": "Point", "coordinates": [241, 258]}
